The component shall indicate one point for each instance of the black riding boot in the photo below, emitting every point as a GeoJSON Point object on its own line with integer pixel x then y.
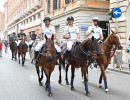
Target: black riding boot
{"type": "Point", "coordinates": [59, 57]}
{"type": "Point", "coordinates": [36, 57]}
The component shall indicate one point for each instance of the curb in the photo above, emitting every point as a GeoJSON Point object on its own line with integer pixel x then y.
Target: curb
{"type": "Point", "coordinates": [124, 72]}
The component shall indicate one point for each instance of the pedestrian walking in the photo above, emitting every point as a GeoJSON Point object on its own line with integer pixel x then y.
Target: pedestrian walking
{"type": "Point", "coordinates": [0, 48]}
{"type": "Point", "coordinates": [6, 45]}
{"type": "Point", "coordinates": [118, 59]}
{"type": "Point", "coordinates": [128, 45]}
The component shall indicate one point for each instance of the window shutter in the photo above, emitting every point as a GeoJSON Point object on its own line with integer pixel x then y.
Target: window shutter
{"type": "Point", "coordinates": [55, 4]}
{"type": "Point", "coordinates": [66, 1]}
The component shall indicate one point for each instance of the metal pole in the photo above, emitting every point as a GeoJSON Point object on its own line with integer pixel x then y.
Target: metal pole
{"type": "Point", "coordinates": [116, 24]}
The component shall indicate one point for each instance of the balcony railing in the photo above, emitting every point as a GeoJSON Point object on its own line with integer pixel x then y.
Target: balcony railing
{"type": "Point", "coordinates": [37, 3]}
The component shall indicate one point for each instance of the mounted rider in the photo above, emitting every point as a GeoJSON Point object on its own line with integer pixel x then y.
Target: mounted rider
{"type": "Point", "coordinates": [20, 35]}
{"type": "Point", "coordinates": [95, 30]}
{"type": "Point", "coordinates": [71, 34]}
{"type": "Point", "coordinates": [48, 30]}
{"type": "Point", "coordinates": [33, 38]}
{"type": "Point", "coordinates": [14, 36]}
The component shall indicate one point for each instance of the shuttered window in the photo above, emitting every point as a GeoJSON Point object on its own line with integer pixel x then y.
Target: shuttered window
{"type": "Point", "coordinates": [48, 6]}
{"type": "Point", "coordinates": [56, 4]}
{"type": "Point", "coordinates": [68, 1]}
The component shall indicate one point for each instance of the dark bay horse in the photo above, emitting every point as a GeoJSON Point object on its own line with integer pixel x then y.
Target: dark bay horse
{"type": "Point", "coordinates": [13, 47]}
{"type": "Point", "coordinates": [22, 50]}
{"type": "Point", "coordinates": [104, 57]}
{"type": "Point", "coordinates": [47, 61]}
{"type": "Point", "coordinates": [79, 57]}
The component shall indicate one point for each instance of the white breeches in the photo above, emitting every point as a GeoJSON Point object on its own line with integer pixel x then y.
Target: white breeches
{"type": "Point", "coordinates": [18, 42]}
{"type": "Point", "coordinates": [69, 45]}
{"type": "Point", "coordinates": [31, 42]}
{"type": "Point", "coordinates": [40, 44]}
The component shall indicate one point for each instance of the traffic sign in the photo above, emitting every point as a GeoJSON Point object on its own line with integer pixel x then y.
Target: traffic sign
{"type": "Point", "coordinates": [117, 12]}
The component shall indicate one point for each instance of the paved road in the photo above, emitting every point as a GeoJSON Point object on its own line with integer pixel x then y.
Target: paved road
{"type": "Point", "coordinates": [20, 83]}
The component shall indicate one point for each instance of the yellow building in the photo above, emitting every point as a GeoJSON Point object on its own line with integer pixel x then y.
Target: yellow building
{"type": "Point", "coordinates": [82, 10]}
{"type": "Point", "coordinates": [1, 25]}
{"type": "Point", "coordinates": [26, 14]}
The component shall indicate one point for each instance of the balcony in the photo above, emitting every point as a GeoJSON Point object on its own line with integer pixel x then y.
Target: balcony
{"type": "Point", "coordinates": [37, 3]}
{"type": "Point", "coordinates": [33, 6]}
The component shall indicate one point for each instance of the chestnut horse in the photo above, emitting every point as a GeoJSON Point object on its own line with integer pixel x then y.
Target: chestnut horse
{"type": "Point", "coordinates": [104, 57]}
{"type": "Point", "coordinates": [13, 47]}
{"type": "Point", "coordinates": [47, 60]}
{"type": "Point", "coordinates": [79, 57]}
{"type": "Point", "coordinates": [22, 50]}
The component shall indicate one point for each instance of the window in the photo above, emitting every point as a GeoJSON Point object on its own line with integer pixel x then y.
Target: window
{"type": "Point", "coordinates": [30, 19]}
{"type": "Point", "coordinates": [56, 4]}
{"type": "Point", "coordinates": [34, 17]}
{"type": "Point", "coordinates": [68, 1]}
{"type": "Point", "coordinates": [48, 6]}
{"type": "Point", "coordinates": [39, 15]}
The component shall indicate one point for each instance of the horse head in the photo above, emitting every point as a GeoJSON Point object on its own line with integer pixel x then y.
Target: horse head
{"type": "Point", "coordinates": [92, 46]}
{"type": "Point", "coordinates": [49, 48]}
{"type": "Point", "coordinates": [116, 39]}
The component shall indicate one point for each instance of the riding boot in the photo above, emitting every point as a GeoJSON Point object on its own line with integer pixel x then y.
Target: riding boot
{"type": "Point", "coordinates": [67, 56]}
{"type": "Point", "coordinates": [36, 57]}
{"type": "Point", "coordinates": [59, 57]}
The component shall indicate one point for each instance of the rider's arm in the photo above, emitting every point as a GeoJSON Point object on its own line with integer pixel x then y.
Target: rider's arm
{"type": "Point", "coordinates": [78, 35]}
{"type": "Point", "coordinates": [65, 34]}
{"type": "Point", "coordinates": [89, 32]}
{"type": "Point", "coordinates": [101, 35]}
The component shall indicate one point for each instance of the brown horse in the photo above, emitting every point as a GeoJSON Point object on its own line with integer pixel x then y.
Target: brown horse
{"type": "Point", "coordinates": [47, 61]}
{"type": "Point", "coordinates": [79, 57]}
{"type": "Point", "coordinates": [13, 47]}
{"type": "Point", "coordinates": [104, 57]}
{"type": "Point", "coordinates": [22, 50]}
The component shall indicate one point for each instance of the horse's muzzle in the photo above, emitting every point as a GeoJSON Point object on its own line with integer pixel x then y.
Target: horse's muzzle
{"type": "Point", "coordinates": [49, 58]}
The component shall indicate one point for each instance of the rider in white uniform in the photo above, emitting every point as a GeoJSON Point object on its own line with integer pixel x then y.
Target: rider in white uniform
{"type": "Point", "coordinates": [95, 30]}
{"type": "Point", "coordinates": [71, 33]}
{"type": "Point", "coordinates": [49, 31]}
{"type": "Point", "coordinates": [20, 38]}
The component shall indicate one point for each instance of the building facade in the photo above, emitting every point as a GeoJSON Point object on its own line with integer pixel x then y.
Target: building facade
{"type": "Point", "coordinates": [82, 10]}
{"type": "Point", "coordinates": [1, 25]}
{"type": "Point", "coordinates": [123, 23]}
{"type": "Point", "coordinates": [25, 14]}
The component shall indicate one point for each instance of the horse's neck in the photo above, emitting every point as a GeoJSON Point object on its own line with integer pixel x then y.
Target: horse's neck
{"type": "Point", "coordinates": [107, 46]}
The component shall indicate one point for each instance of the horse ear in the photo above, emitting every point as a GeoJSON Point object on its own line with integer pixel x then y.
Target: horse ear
{"type": "Point", "coordinates": [52, 37]}
{"type": "Point", "coordinates": [46, 37]}
{"type": "Point", "coordinates": [92, 38]}
{"type": "Point", "coordinates": [112, 31]}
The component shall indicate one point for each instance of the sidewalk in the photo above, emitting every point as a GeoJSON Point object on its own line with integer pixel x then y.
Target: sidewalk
{"type": "Point", "coordinates": [125, 69]}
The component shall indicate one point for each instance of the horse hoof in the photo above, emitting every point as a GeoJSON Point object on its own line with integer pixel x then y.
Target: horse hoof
{"type": "Point", "coordinates": [107, 91]}
{"type": "Point", "coordinates": [88, 94]}
{"type": "Point", "coordinates": [46, 88]}
{"type": "Point", "coordinates": [60, 81]}
{"type": "Point", "coordinates": [40, 84]}
{"type": "Point", "coordinates": [67, 83]}
{"type": "Point", "coordinates": [50, 94]}
{"type": "Point", "coordinates": [72, 89]}
{"type": "Point", "coordinates": [101, 86]}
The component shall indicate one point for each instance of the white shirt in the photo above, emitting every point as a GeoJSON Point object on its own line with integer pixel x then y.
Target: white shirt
{"type": "Point", "coordinates": [48, 31]}
{"type": "Point", "coordinates": [97, 31]}
{"type": "Point", "coordinates": [73, 31]}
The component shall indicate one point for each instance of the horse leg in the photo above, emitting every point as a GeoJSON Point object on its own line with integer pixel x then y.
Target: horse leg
{"type": "Point", "coordinates": [41, 74]}
{"type": "Point", "coordinates": [48, 85]}
{"type": "Point", "coordinates": [72, 78]}
{"type": "Point", "coordinates": [60, 74]}
{"type": "Point", "coordinates": [38, 73]}
{"type": "Point", "coordinates": [67, 82]}
{"type": "Point", "coordinates": [19, 57]}
{"type": "Point", "coordinates": [105, 79]}
{"type": "Point", "coordinates": [22, 60]}
{"type": "Point", "coordinates": [100, 81]}
{"type": "Point", "coordinates": [15, 55]}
